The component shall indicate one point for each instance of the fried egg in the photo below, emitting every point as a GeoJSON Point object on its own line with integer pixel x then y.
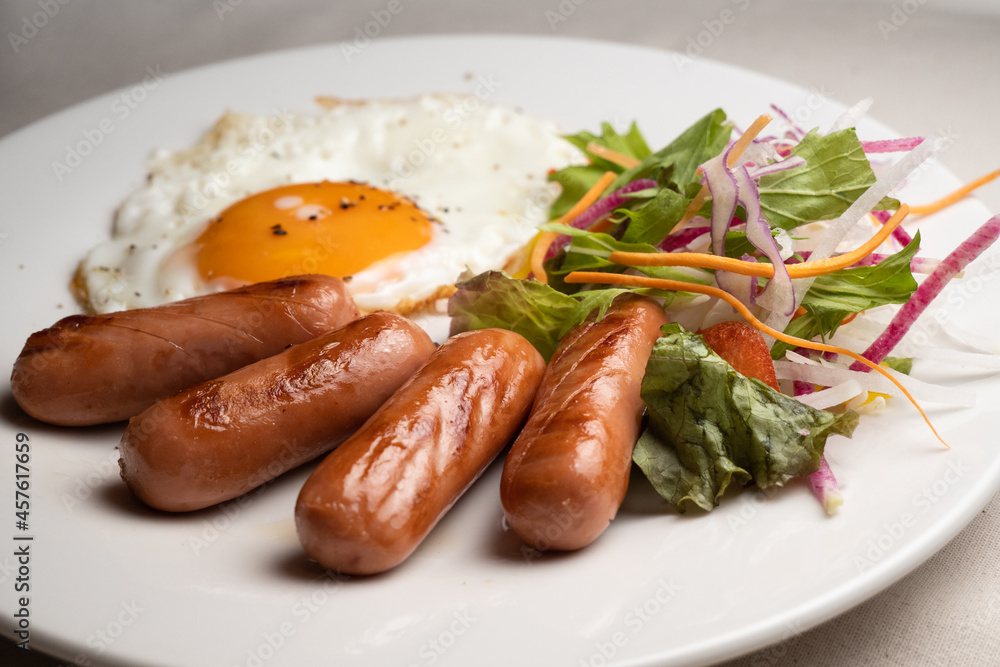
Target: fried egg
{"type": "Point", "coordinates": [399, 197]}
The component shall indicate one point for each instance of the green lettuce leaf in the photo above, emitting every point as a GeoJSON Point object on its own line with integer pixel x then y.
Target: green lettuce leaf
{"type": "Point", "coordinates": [632, 144]}
{"type": "Point", "coordinates": [899, 364]}
{"type": "Point", "coordinates": [835, 174]}
{"type": "Point", "coordinates": [588, 251]}
{"type": "Point", "coordinates": [703, 140]}
{"type": "Point", "coordinates": [836, 295]}
{"type": "Point", "coordinates": [528, 307]}
{"type": "Point", "coordinates": [578, 179]}
{"type": "Point", "coordinates": [710, 426]}
{"type": "Point", "coordinates": [494, 299]}
{"type": "Point", "coordinates": [654, 218]}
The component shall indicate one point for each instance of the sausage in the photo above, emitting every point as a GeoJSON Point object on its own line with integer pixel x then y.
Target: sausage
{"type": "Point", "coordinates": [743, 348]}
{"type": "Point", "coordinates": [566, 474]}
{"type": "Point", "coordinates": [222, 438]}
{"type": "Point", "coordinates": [372, 501]}
{"type": "Point", "coordinates": [93, 369]}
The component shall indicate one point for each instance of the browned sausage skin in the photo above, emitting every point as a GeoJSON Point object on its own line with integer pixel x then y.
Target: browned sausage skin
{"type": "Point", "coordinates": [374, 499]}
{"type": "Point", "coordinates": [222, 438]}
{"type": "Point", "coordinates": [567, 473]}
{"type": "Point", "coordinates": [93, 369]}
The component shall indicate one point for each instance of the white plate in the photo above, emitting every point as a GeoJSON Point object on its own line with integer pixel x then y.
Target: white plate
{"type": "Point", "coordinates": [112, 582]}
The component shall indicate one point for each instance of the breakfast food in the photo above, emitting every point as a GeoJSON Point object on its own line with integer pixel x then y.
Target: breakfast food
{"type": "Point", "coordinates": [220, 439]}
{"type": "Point", "coordinates": [567, 472]}
{"type": "Point", "coordinates": [401, 196]}
{"type": "Point", "coordinates": [793, 231]}
{"type": "Point", "coordinates": [93, 369]}
{"type": "Point", "coordinates": [372, 501]}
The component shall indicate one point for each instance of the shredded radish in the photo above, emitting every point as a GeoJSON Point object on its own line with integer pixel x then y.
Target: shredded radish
{"type": "Point", "coordinates": [800, 388]}
{"type": "Point", "coordinates": [828, 377]}
{"type": "Point", "coordinates": [891, 145]}
{"type": "Point", "coordinates": [832, 396]}
{"type": "Point", "coordinates": [900, 234]}
{"type": "Point", "coordinates": [977, 360]}
{"type": "Point", "coordinates": [959, 258]}
{"type": "Point", "coordinates": [786, 243]}
{"type": "Point", "coordinates": [824, 485]}
{"type": "Point", "coordinates": [682, 239]}
{"type": "Point", "coordinates": [851, 117]}
{"type": "Point", "coordinates": [945, 345]}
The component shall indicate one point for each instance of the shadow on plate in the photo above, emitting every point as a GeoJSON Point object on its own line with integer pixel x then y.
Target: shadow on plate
{"type": "Point", "coordinates": [296, 565]}
{"type": "Point", "coordinates": [12, 414]}
{"type": "Point", "coordinates": [642, 499]}
{"type": "Point", "coordinates": [507, 546]}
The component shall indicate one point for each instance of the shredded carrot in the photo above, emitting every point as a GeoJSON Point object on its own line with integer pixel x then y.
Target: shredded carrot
{"type": "Point", "coordinates": [801, 310]}
{"type": "Point", "coordinates": [745, 139]}
{"type": "Point", "coordinates": [612, 156]}
{"type": "Point", "coordinates": [602, 225]}
{"type": "Point", "coordinates": [692, 209]}
{"type": "Point", "coordinates": [948, 200]}
{"type": "Point", "coordinates": [545, 239]}
{"type": "Point", "coordinates": [734, 155]}
{"type": "Point", "coordinates": [820, 267]}
{"type": "Point", "coordinates": [541, 248]}
{"type": "Point", "coordinates": [679, 286]}
{"type": "Point", "coordinates": [524, 259]}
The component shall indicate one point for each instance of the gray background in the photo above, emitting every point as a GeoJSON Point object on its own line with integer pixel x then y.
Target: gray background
{"type": "Point", "coordinates": [931, 66]}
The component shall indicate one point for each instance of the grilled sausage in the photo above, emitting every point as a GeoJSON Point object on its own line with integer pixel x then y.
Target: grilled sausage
{"type": "Point", "coordinates": [93, 369]}
{"type": "Point", "coordinates": [374, 499]}
{"type": "Point", "coordinates": [567, 473]}
{"type": "Point", "coordinates": [222, 438]}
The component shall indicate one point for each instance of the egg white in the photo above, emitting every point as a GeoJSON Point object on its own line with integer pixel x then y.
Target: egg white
{"type": "Point", "coordinates": [477, 168]}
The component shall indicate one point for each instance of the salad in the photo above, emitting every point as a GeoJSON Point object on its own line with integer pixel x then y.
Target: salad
{"type": "Point", "coordinates": [794, 231]}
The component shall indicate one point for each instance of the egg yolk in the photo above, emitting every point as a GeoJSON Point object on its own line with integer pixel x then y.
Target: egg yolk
{"type": "Point", "coordinates": [336, 229]}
